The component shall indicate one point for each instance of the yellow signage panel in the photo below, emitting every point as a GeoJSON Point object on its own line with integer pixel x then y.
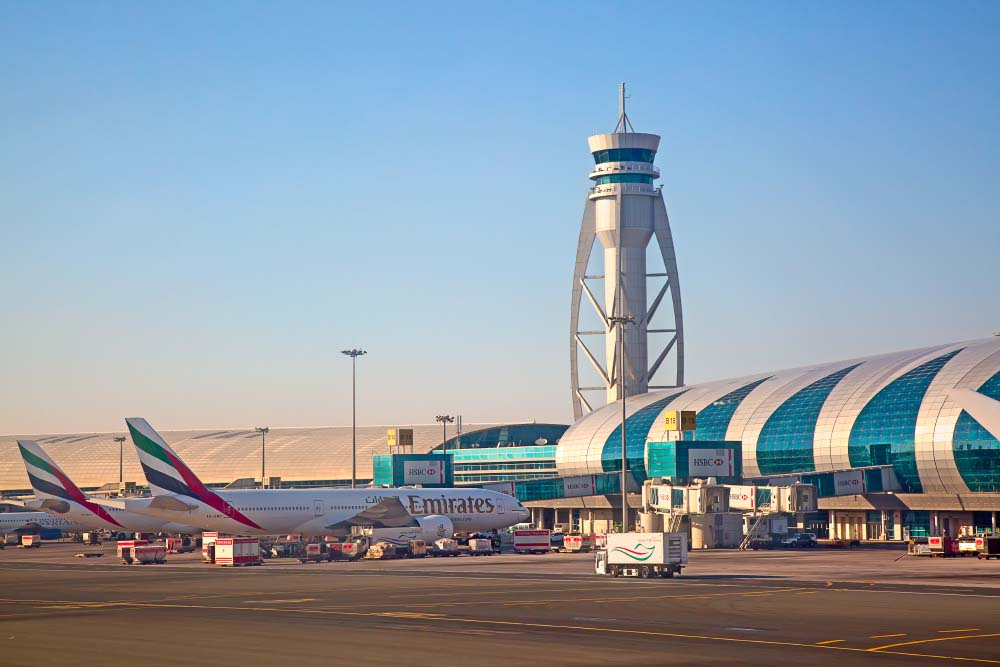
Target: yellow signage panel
{"type": "Point", "coordinates": [400, 437]}
{"type": "Point", "coordinates": [681, 420]}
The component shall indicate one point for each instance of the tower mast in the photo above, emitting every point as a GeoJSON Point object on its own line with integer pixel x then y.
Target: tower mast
{"type": "Point", "coordinates": [625, 211]}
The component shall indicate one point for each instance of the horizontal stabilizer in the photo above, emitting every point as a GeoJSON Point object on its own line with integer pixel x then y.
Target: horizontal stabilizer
{"type": "Point", "coordinates": [171, 504]}
{"type": "Point", "coordinates": [52, 505]}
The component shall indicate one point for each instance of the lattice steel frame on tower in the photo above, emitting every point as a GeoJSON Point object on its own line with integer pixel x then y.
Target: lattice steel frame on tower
{"type": "Point", "coordinates": [624, 210]}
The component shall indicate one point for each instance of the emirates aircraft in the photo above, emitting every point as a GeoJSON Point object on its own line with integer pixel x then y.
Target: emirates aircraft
{"type": "Point", "coordinates": [394, 514]}
{"type": "Point", "coordinates": [56, 494]}
{"type": "Point", "coordinates": [16, 523]}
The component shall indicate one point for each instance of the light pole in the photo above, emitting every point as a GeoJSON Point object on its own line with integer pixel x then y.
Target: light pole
{"type": "Point", "coordinates": [445, 420]}
{"type": "Point", "coordinates": [621, 322]}
{"type": "Point", "coordinates": [120, 439]}
{"type": "Point", "coordinates": [354, 354]}
{"type": "Point", "coordinates": [263, 430]}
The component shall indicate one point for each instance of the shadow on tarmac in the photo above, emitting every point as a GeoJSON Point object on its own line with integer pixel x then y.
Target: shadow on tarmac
{"type": "Point", "coordinates": [731, 576]}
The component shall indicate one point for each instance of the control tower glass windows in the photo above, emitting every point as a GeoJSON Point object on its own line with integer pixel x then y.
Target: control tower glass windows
{"type": "Point", "coordinates": [624, 155]}
{"type": "Point", "coordinates": [624, 178]}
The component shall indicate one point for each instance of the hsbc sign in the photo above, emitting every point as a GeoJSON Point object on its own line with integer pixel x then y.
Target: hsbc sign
{"type": "Point", "coordinates": [741, 497]}
{"type": "Point", "coordinates": [578, 486]}
{"type": "Point", "coordinates": [849, 483]}
{"type": "Point", "coordinates": [422, 472]}
{"type": "Point", "coordinates": [710, 463]}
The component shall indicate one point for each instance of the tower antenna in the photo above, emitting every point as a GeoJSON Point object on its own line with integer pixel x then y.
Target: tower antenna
{"type": "Point", "coordinates": [624, 124]}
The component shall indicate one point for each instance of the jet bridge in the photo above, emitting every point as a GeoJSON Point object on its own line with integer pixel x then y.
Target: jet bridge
{"type": "Point", "coordinates": [725, 515]}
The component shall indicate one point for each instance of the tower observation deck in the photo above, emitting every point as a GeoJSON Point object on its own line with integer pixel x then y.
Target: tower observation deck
{"type": "Point", "coordinates": [625, 211]}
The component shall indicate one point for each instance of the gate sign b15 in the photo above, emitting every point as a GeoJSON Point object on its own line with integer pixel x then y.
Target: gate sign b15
{"type": "Point", "coordinates": [424, 472]}
{"type": "Point", "coordinates": [710, 463]}
{"type": "Point", "coordinates": [680, 420]}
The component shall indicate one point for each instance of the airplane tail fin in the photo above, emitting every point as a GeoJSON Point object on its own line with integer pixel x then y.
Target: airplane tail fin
{"type": "Point", "coordinates": [48, 481]}
{"type": "Point", "coordinates": [53, 488]}
{"type": "Point", "coordinates": [165, 471]}
{"type": "Point", "coordinates": [167, 474]}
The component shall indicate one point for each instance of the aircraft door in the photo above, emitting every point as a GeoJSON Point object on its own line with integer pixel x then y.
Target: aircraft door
{"type": "Point", "coordinates": [317, 508]}
{"type": "Point", "coordinates": [501, 506]}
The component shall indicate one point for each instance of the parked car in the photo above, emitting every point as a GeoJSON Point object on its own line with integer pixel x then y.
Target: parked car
{"type": "Point", "coordinates": [758, 543]}
{"type": "Point", "coordinates": [799, 540]}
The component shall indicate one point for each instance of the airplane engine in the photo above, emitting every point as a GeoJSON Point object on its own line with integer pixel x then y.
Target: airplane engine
{"type": "Point", "coordinates": [435, 527]}
{"type": "Point", "coordinates": [428, 529]}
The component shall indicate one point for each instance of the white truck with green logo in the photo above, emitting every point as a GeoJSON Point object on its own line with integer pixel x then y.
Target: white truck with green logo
{"type": "Point", "coordinates": [645, 555]}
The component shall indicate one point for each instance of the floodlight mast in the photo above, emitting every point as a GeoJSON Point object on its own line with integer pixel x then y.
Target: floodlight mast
{"type": "Point", "coordinates": [354, 353]}
{"type": "Point", "coordinates": [620, 322]}
{"type": "Point", "coordinates": [263, 430]}
{"type": "Point", "coordinates": [120, 439]}
{"type": "Point", "coordinates": [444, 420]}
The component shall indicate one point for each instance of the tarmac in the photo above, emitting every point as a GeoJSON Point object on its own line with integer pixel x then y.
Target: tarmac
{"type": "Point", "coordinates": [809, 607]}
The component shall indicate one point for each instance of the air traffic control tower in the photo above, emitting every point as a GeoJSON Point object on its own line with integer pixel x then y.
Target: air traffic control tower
{"type": "Point", "coordinates": [625, 211]}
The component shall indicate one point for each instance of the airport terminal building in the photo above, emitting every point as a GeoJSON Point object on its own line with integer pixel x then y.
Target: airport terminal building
{"type": "Point", "coordinates": [930, 417]}
{"type": "Point", "coordinates": [299, 457]}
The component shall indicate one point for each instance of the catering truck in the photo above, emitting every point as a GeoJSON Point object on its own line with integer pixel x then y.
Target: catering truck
{"type": "Point", "coordinates": [645, 555]}
{"type": "Point", "coordinates": [532, 541]}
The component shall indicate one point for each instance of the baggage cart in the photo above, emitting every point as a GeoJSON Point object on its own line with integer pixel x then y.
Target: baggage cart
{"type": "Point", "coordinates": [124, 548]}
{"type": "Point", "coordinates": [445, 547]}
{"type": "Point", "coordinates": [573, 543]}
{"type": "Point", "coordinates": [480, 547]}
{"type": "Point", "coordinates": [31, 541]}
{"type": "Point", "coordinates": [149, 553]}
{"type": "Point", "coordinates": [418, 548]}
{"type": "Point", "coordinates": [179, 545]}
{"type": "Point", "coordinates": [237, 551]}
{"type": "Point", "coordinates": [346, 550]}
{"type": "Point", "coordinates": [942, 546]}
{"type": "Point", "coordinates": [988, 546]}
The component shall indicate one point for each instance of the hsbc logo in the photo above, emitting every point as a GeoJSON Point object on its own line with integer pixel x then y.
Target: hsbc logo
{"type": "Point", "coordinates": [848, 483]}
{"type": "Point", "coordinates": [424, 472]}
{"type": "Point", "coordinates": [710, 462]}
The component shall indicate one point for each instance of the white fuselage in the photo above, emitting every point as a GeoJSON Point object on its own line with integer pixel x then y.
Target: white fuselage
{"type": "Point", "coordinates": [14, 522]}
{"type": "Point", "coordinates": [128, 522]}
{"type": "Point", "coordinates": [325, 511]}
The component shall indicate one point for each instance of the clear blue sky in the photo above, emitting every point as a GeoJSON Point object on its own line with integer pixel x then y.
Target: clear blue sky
{"type": "Point", "coordinates": [202, 203]}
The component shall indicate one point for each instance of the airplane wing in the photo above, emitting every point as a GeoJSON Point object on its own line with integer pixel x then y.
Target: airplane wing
{"type": "Point", "coordinates": [390, 513]}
